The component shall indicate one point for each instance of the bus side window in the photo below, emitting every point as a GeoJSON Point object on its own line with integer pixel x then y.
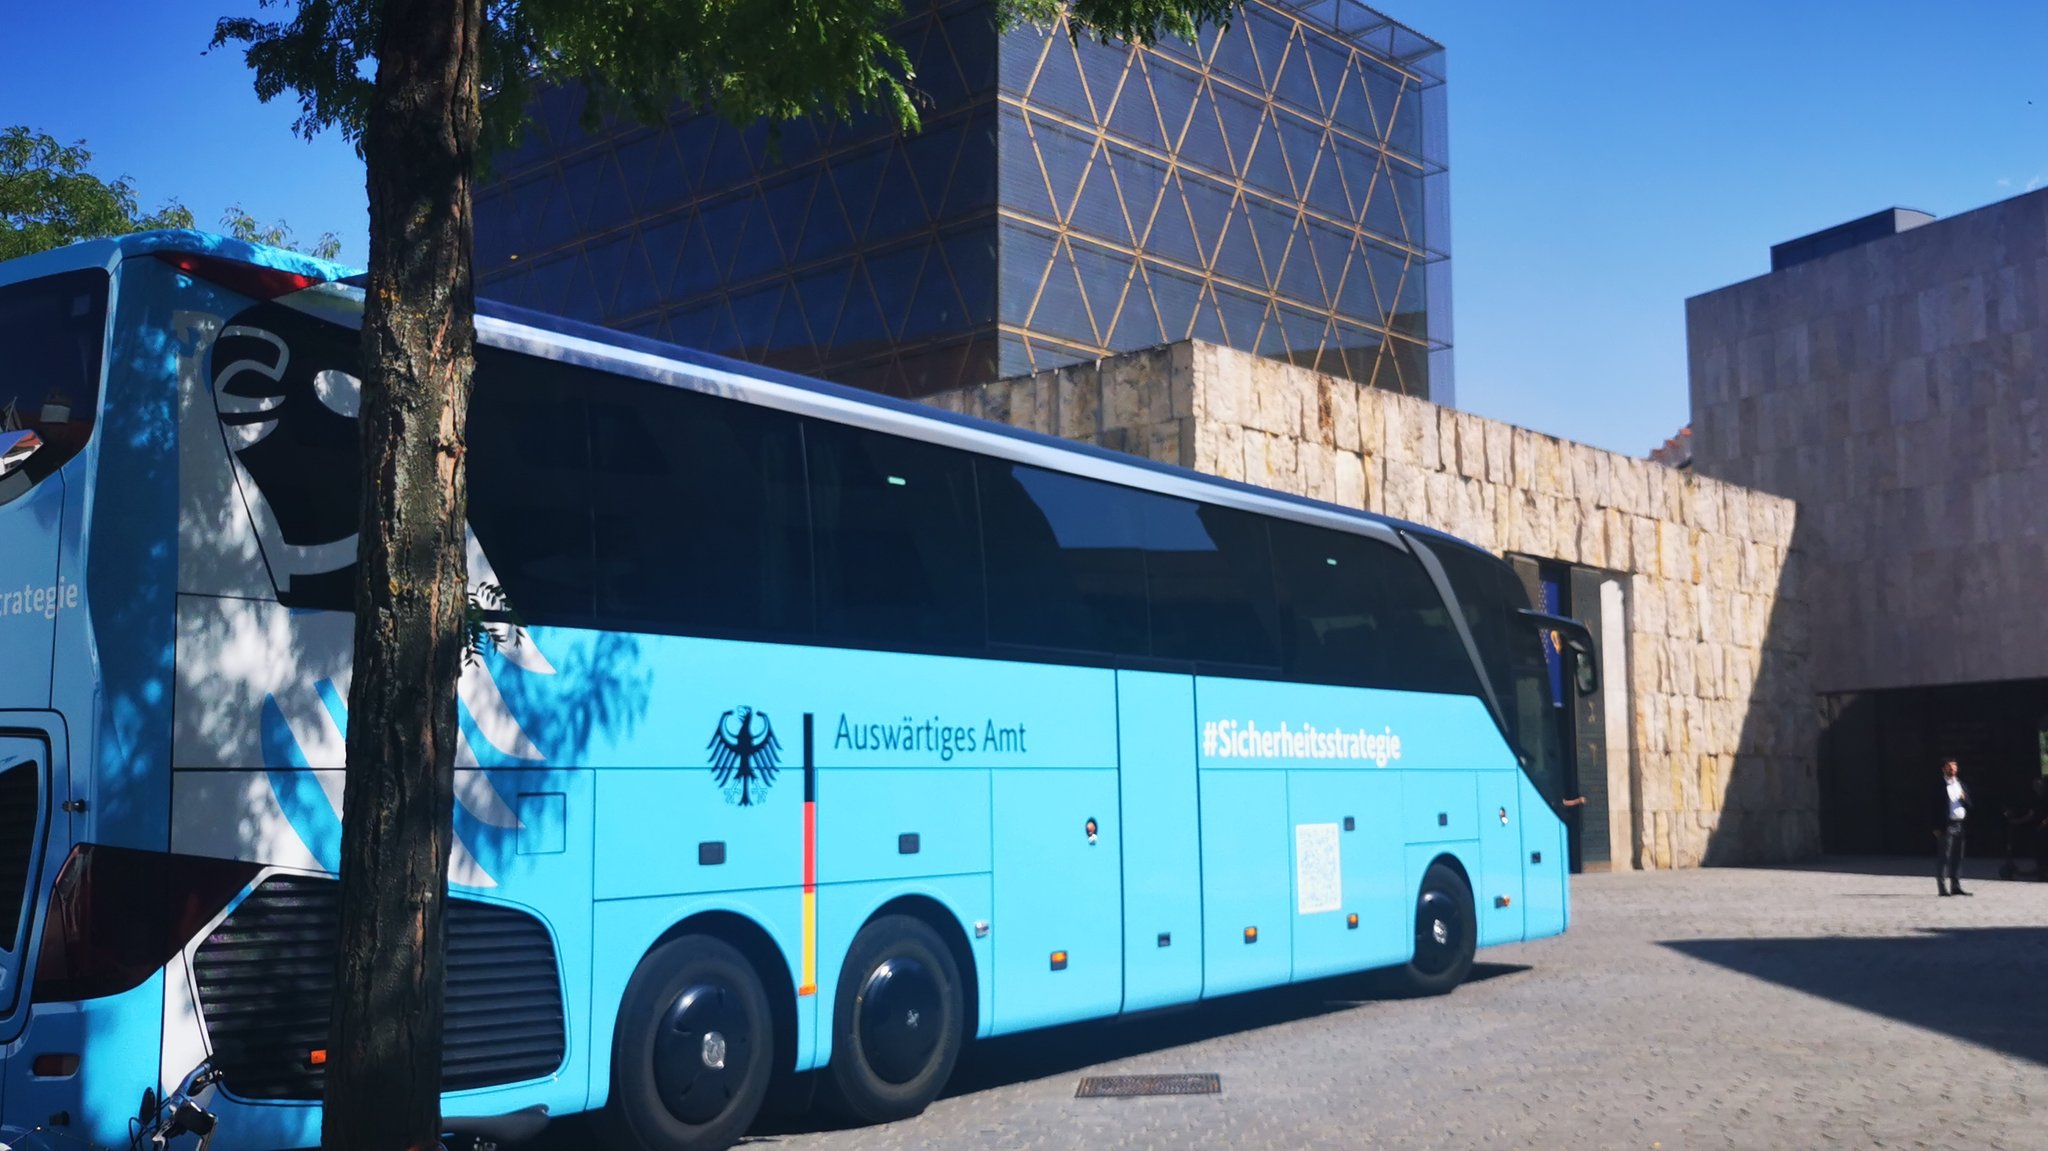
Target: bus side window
{"type": "Point", "coordinates": [1209, 572]}
{"type": "Point", "coordinates": [1355, 611]}
{"type": "Point", "coordinates": [529, 485]}
{"type": "Point", "coordinates": [896, 538]}
{"type": "Point", "coordinates": [1488, 595]}
{"type": "Point", "coordinates": [700, 513]}
{"type": "Point", "coordinates": [1066, 563]}
{"type": "Point", "coordinates": [54, 330]}
{"type": "Point", "coordinates": [1536, 717]}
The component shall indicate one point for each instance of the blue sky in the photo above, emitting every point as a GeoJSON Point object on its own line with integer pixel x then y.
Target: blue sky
{"type": "Point", "coordinates": [1608, 159]}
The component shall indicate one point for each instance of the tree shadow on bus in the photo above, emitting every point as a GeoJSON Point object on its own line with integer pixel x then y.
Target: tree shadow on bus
{"type": "Point", "coordinates": [1974, 984]}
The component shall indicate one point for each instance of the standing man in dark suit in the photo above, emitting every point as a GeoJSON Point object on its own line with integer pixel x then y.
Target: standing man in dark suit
{"type": "Point", "coordinates": [1948, 861]}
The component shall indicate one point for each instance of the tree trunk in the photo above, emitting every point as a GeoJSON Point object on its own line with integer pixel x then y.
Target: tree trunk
{"type": "Point", "coordinates": [383, 1089]}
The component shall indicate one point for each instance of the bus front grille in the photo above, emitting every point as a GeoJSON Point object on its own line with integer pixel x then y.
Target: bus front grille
{"type": "Point", "coordinates": [266, 987]}
{"type": "Point", "coordinates": [19, 806]}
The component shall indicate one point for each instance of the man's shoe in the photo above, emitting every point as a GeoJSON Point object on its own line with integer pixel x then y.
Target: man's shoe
{"type": "Point", "coordinates": [1940, 890]}
{"type": "Point", "coordinates": [1960, 891]}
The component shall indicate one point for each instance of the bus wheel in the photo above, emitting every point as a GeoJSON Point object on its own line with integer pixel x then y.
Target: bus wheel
{"type": "Point", "coordinates": [897, 1023]}
{"type": "Point", "coordinates": [1445, 935]}
{"type": "Point", "coordinates": [693, 1052]}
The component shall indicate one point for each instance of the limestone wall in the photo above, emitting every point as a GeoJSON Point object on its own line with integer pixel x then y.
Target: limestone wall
{"type": "Point", "coordinates": [1721, 738]}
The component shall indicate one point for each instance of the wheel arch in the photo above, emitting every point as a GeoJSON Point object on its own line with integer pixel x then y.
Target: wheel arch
{"type": "Point", "coordinates": [1450, 860]}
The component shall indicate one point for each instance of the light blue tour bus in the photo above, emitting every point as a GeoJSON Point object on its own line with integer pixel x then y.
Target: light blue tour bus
{"type": "Point", "coordinates": [825, 732]}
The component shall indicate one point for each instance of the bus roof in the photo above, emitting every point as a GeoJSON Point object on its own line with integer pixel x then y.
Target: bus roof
{"type": "Point", "coordinates": [106, 252]}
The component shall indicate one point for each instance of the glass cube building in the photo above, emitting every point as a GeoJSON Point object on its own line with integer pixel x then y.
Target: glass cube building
{"type": "Point", "coordinates": [1278, 187]}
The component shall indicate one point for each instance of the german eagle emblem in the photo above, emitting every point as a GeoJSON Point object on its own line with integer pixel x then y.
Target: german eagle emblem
{"type": "Point", "coordinates": [743, 755]}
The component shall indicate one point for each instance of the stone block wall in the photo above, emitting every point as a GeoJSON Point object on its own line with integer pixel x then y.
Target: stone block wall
{"type": "Point", "coordinates": [1721, 739]}
{"type": "Point", "coordinates": [1898, 391]}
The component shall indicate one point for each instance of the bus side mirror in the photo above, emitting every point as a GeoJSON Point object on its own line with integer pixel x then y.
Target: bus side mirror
{"type": "Point", "coordinates": [1577, 645]}
{"type": "Point", "coordinates": [15, 449]}
{"type": "Point", "coordinates": [1585, 669]}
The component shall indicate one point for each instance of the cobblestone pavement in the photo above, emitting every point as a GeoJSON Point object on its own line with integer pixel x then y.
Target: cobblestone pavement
{"type": "Point", "coordinates": [1842, 1005]}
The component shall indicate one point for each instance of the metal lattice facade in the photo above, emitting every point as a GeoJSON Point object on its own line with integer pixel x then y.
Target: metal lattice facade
{"type": "Point", "coordinates": [1278, 187]}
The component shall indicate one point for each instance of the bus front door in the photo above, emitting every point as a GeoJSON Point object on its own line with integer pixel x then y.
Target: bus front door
{"type": "Point", "coordinates": [31, 523]}
{"type": "Point", "coordinates": [25, 807]}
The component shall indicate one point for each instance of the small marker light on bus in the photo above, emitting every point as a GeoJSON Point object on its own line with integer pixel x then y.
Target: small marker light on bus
{"type": "Point", "coordinates": [1502, 901]}
{"type": "Point", "coordinates": [1251, 935]}
{"type": "Point", "coordinates": [1351, 921]}
{"type": "Point", "coordinates": [1331, 560]}
{"type": "Point", "coordinates": [897, 481]}
{"type": "Point", "coordinates": [53, 1066]}
{"type": "Point", "coordinates": [317, 1057]}
{"type": "Point", "coordinates": [1059, 961]}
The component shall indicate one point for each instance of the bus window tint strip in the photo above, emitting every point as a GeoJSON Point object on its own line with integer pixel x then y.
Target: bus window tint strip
{"type": "Point", "coordinates": [676, 511]}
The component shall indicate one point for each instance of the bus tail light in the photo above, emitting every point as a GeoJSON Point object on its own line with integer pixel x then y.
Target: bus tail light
{"type": "Point", "coordinates": [117, 915]}
{"type": "Point", "coordinates": [252, 280]}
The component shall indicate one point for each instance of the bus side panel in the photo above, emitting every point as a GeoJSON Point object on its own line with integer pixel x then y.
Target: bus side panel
{"type": "Point", "coordinates": [899, 823]}
{"type": "Point", "coordinates": [1545, 885]}
{"type": "Point", "coordinates": [1497, 890]}
{"type": "Point", "coordinates": [1058, 937]}
{"type": "Point", "coordinates": [1438, 806]}
{"type": "Point", "coordinates": [117, 1037]}
{"type": "Point", "coordinates": [1340, 873]}
{"type": "Point", "coordinates": [702, 846]}
{"type": "Point", "coordinates": [1247, 890]}
{"type": "Point", "coordinates": [29, 535]}
{"type": "Point", "coordinates": [1162, 854]}
{"type": "Point", "coordinates": [132, 564]}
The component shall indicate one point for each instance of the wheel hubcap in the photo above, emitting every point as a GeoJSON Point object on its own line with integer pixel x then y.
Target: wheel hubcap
{"type": "Point", "coordinates": [901, 1019]}
{"type": "Point", "coordinates": [714, 1050]}
{"type": "Point", "coordinates": [700, 1052]}
{"type": "Point", "coordinates": [1437, 932]}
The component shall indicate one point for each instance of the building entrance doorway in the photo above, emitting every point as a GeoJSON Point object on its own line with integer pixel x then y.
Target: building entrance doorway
{"type": "Point", "coordinates": [1575, 591]}
{"type": "Point", "coordinates": [1881, 755]}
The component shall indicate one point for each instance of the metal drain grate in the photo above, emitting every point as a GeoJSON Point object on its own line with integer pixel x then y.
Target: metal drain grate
{"type": "Point", "coordinates": [1125, 1086]}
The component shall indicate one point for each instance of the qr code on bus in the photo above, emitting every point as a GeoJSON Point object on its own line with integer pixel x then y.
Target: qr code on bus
{"type": "Point", "coordinates": [1318, 869]}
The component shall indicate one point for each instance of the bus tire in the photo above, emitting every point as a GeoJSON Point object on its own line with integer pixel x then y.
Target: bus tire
{"type": "Point", "coordinates": [1446, 933]}
{"type": "Point", "coordinates": [693, 1051]}
{"type": "Point", "coordinates": [898, 1022]}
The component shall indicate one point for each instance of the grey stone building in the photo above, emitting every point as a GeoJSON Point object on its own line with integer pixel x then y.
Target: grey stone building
{"type": "Point", "coordinates": [1891, 376]}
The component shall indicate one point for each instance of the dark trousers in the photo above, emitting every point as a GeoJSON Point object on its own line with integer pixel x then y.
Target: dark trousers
{"type": "Point", "coordinates": [1948, 859]}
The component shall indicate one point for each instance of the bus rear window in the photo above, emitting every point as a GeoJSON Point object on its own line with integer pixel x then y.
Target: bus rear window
{"type": "Point", "coordinates": [53, 330]}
